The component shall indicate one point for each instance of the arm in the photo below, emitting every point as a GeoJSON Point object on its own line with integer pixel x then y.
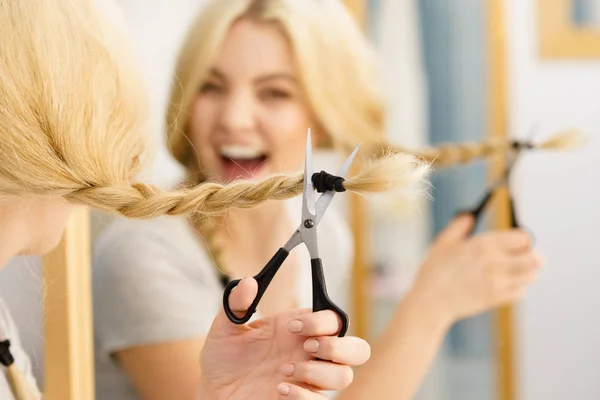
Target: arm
{"type": "Point", "coordinates": [461, 277]}
{"type": "Point", "coordinates": [405, 351]}
{"type": "Point", "coordinates": [164, 371]}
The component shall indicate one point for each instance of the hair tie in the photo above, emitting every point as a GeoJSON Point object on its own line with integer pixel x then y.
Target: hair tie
{"type": "Point", "coordinates": [323, 181]}
{"type": "Point", "coordinates": [6, 357]}
{"type": "Point", "coordinates": [517, 145]}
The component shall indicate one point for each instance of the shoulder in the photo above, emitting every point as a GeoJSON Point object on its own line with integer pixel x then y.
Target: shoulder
{"type": "Point", "coordinates": [152, 282]}
{"type": "Point", "coordinates": [145, 237]}
{"type": "Point", "coordinates": [144, 249]}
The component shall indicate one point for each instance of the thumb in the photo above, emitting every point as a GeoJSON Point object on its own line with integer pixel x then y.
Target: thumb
{"type": "Point", "coordinates": [457, 230]}
{"type": "Point", "coordinates": [240, 299]}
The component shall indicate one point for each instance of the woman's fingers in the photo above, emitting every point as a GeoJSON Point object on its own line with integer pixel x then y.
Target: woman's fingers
{"type": "Point", "coordinates": [524, 263]}
{"type": "Point", "coordinates": [289, 391]}
{"type": "Point", "coordinates": [521, 271]}
{"type": "Point", "coordinates": [321, 323]}
{"type": "Point", "coordinates": [322, 375]}
{"type": "Point", "coordinates": [347, 350]}
{"type": "Point", "coordinates": [240, 300]}
{"type": "Point", "coordinates": [521, 281]}
{"type": "Point", "coordinates": [513, 240]}
{"type": "Point", "coordinates": [242, 296]}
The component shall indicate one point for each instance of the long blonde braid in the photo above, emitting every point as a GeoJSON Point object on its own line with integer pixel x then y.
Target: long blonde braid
{"type": "Point", "coordinates": [144, 201]}
{"type": "Point", "coordinates": [450, 154]}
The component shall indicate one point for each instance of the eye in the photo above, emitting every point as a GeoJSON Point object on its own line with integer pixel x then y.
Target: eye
{"type": "Point", "coordinates": [211, 87]}
{"type": "Point", "coordinates": [274, 94]}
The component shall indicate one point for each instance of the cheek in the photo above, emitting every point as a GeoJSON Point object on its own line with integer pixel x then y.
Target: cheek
{"type": "Point", "coordinates": [287, 127]}
{"type": "Point", "coordinates": [201, 128]}
{"type": "Point", "coordinates": [203, 118]}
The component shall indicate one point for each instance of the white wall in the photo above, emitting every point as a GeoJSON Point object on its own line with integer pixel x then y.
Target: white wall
{"type": "Point", "coordinates": [559, 199]}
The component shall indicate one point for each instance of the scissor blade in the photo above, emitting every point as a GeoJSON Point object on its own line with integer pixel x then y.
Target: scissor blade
{"type": "Point", "coordinates": [325, 199]}
{"type": "Point", "coordinates": [308, 196]}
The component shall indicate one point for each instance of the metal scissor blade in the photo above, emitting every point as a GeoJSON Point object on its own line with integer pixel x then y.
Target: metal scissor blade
{"type": "Point", "coordinates": [308, 195]}
{"type": "Point", "coordinates": [325, 199]}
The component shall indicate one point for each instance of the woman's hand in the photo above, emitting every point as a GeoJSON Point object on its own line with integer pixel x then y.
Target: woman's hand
{"type": "Point", "coordinates": [465, 275]}
{"type": "Point", "coordinates": [274, 358]}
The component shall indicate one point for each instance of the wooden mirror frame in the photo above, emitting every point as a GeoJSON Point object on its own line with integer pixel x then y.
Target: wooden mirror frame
{"type": "Point", "coordinates": [68, 322]}
{"type": "Point", "coordinates": [559, 38]}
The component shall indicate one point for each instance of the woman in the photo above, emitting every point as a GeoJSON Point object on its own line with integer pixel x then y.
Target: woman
{"type": "Point", "coordinates": [71, 119]}
{"type": "Point", "coordinates": [251, 76]}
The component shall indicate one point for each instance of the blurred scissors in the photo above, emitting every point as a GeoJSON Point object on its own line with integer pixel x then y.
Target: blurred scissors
{"type": "Point", "coordinates": [306, 233]}
{"type": "Point", "coordinates": [512, 157]}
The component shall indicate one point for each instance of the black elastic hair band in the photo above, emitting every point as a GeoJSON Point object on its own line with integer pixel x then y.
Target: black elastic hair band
{"type": "Point", "coordinates": [6, 357]}
{"type": "Point", "coordinates": [323, 182]}
{"type": "Point", "coordinates": [516, 145]}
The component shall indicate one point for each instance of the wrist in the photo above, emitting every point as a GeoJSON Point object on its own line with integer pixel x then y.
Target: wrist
{"type": "Point", "coordinates": [430, 306]}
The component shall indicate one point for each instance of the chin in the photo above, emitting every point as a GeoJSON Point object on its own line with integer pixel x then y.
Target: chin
{"type": "Point", "coordinates": [46, 242]}
{"type": "Point", "coordinates": [42, 247]}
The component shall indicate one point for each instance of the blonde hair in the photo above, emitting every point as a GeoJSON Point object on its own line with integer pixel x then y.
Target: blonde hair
{"type": "Point", "coordinates": [72, 107]}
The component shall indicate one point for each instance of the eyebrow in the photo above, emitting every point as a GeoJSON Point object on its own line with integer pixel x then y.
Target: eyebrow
{"type": "Point", "coordinates": [264, 78]}
{"type": "Point", "coordinates": [274, 76]}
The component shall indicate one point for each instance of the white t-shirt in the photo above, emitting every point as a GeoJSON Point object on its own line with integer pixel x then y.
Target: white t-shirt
{"type": "Point", "coordinates": [8, 330]}
{"type": "Point", "coordinates": [154, 282]}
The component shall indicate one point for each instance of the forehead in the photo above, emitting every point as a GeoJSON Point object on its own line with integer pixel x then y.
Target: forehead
{"type": "Point", "coordinates": [252, 48]}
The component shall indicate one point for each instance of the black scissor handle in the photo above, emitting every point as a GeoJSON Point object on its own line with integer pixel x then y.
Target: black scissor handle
{"type": "Point", "coordinates": [514, 221]}
{"type": "Point", "coordinates": [476, 211]}
{"type": "Point", "coordinates": [479, 208]}
{"type": "Point", "coordinates": [321, 300]}
{"type": "Point", "coordinates": [263, 278]}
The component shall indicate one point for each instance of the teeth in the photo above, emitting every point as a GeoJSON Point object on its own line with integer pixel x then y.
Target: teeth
{"type": "Point", "coordinates": [241, 152]}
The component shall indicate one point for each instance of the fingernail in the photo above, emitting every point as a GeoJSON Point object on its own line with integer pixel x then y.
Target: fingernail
{"type": "Point", "coordinates": [311, 345]}
{"type": "Point", "coordinates": [295, 326]}
{"type": "Point", "coordinates": [283, 389]}
{"type": "Point", "coordinates": [288, 369]}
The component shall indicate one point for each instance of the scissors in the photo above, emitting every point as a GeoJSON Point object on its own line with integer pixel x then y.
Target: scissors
{"type": "Point", "coordinates": [513, 155]}
{"type": "Point", "coordinates": [306, 233]}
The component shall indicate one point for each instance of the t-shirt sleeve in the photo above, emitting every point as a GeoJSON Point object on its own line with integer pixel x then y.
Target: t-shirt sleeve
{"type": "Point", "coordinates": [9, 329]}
{"type": "Point", "coordinates": [149, 287]}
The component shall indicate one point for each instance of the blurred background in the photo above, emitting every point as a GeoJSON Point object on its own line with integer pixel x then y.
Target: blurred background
{"type": "Point", "coordinates": [455, 70]}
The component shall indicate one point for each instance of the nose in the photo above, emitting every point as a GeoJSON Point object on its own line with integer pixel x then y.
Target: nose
{"type": "Point", "coordinates": [237, 113]}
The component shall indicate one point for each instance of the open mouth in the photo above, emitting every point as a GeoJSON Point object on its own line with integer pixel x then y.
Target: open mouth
{"type": "Point", "coordinates": [242, 161]}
